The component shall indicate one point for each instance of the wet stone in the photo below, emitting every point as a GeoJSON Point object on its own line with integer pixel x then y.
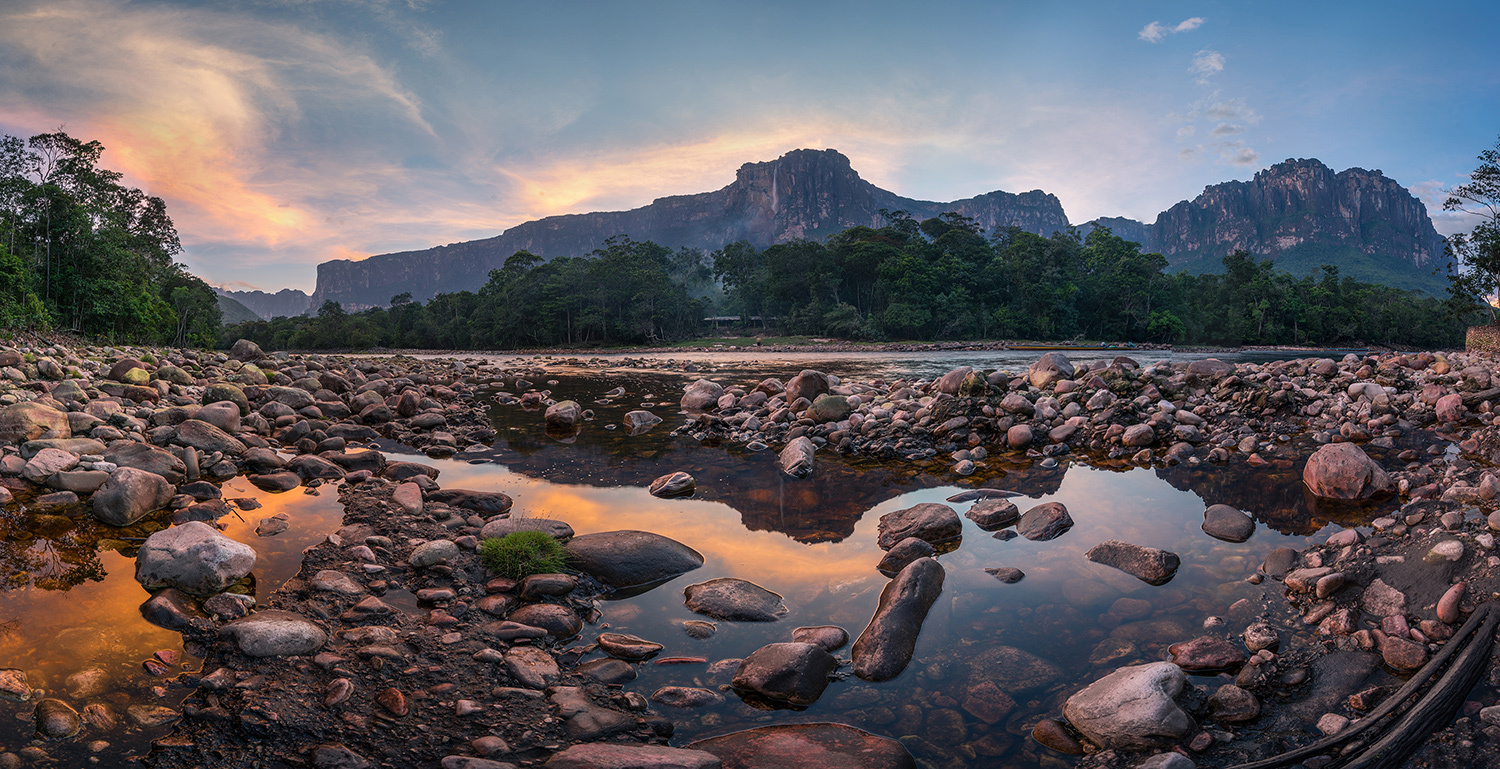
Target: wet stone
{"type": "Point", "coordinates": [1045, 522]}
{"type": "Point", "coordinates": [628, 647]}
{"type": "Point", "coordinates": [1206, 654]}
{"type": "Point", "coordinates": [677, 484]}
{"type": "Point", "coordinates": [1008, 575]}
{"type": "Point", "coordinates": [903, 553]}
{"type": "Point", "coordinates": [1227, 523]}
{"type": "Point", "coordinates": [607, 671]}
{"type": "Point", "coordinates": [685, 697]}
{"type": "Point", "coordinates": [538, 586]}
{"type": "Point", "coordinates": [829, 638]}
{"type": "Point", "coordinates": [992, 514]}
{"type": "Point", "coordinates": [1148, 564]}
{"type": "Point", "coordinates": [735, 600]}
{"type": "Point", "coordinates": [795, 673]}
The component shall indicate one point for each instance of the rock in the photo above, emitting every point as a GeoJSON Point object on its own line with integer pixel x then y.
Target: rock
{"type": "Point", "coordinates": [1227, 523]}
{"type": "Point", "coordinates": [1132, 708]}
{"type": "Point", "coordinates": [1006, 574]}
{"type": "Point", "coordinates": [830, 408]}
{"type": "Point", "coordinates": [149, 458]}
{"type": "Point", "coordinates": [685, 697]}
{"type": "Point", "coordinates": [276, 482]}
{"type": "Point", "coordinates": [503, 527]}
{"type": "Point", "coordinates": [533, 668]}
{"type": "Point", "coordinates": [583, 719]}
{"type": "Point", "coordinates": [1261, 635]}
{"type": "Point", "coordinates": [628, 647]}
{"type": "Point", "coordinates": [640, 421]}
{"type": "Point", "coordinates": [673, 485]}
{"type": "Point", "coordinates": [1136, 436]}
{"type": "Point", "coordinates": [809, 384]}
{"type": "Point", "coordinates": [433, 553]}
{"type": "Point", "coordinates": [602, 755]}
{"type": "Point", "coordinates": [806, 746]}
{"type": "Point", "coordinates": [1232, 705]}
{"type": "Point", "coordinates": [796, 459]}
{"type": "Point", "coordinates": [1048, 369]}
{"type": "Point", "coordinates": [1044, 522]}
{"type": "Point", "coordinates": [795, 673]}
{"type": "Point", "coordinates": [56, 719]}
{"type": "Point", "coordinates": [564, 415]}
{"type": "Point", "coordinates": [1054, 734]}
{"type": "Point", "coordinates": [1344, 471]}
{"type": "Point", "coordinates": [330, 581]}
{"type": "Point", "coordinates": [993, 514]}
{"type": "Point", "coordinates": [1450, 408]}
{"type": "Point", "coordinates": [625, 559]}
{"type": "Point", "coordinates": [45, 463]}
{"type": "Point", "coordinates": [129, 495]}
{"type": "Point", "coordinates": [336, 756]}
{"type": "Point", "coordinates": [1449, 609]}
{"type": "Point", "coordinates": [224, 415]}
{"type": "Point", "coordinates": [949, 382]}
{"type": "Point", "coordinates": [903, 553]}
{"type": "Point", "coordinates": [1279, 562]}
{"type": "Point", "coordinates": [27, 421]}
{"type": "Point", "coordinates": [885, 647]}
{"type": "Point", "coordinates": [408, 497]}
{"type": "Point", "coordinates": [1167, 761]}
{"type": "Point", "coordinates": [1382, 600]}
{"type": "Point", "coordinates": [174, 610]}
{"type": "Point", "coordinates": [246, 350]}
{"type": "Point", "coordinates": [1148, 564]}
{"type": "Point", "coordinates": [13, 685]}
{"type": "Point", "coordinates": [559, 621]}
{"type": "Point", "coordinates": [1332, 723]}
{"type": "Point", "coordinates": [1403, 654]}
{"type": "Point", "coordinates": [1206, 654]}
{"type": "Point", "coordinates": [829, 638]}
{"type": "Point", "coordinates": [469, 762]}
{"type": "Point", "coordinates": [1447, 551]}
{"type": "Point", "coordinates": [216, 392]}
{"type": "Point", "coordinates": [534, 587]}
{"type": "Point", "coordinates": [607, 671]}
{"type": "Point", "coordinates": [1209, 369]}
{"type": "Point", "coordinates": [275, 633]}
{"type": "Point", "coordinates": [310, 466]}
{"type": "Point", "coordinates": [194, 558]}
{"type": "Point", "coordinates": [701, 395]}
{"type": "Point", "coordinates": [207, 438]}
{"type": "Point", "coordinates": [931, 522]}
{"type": "Point", "coordinates": [735, 600]}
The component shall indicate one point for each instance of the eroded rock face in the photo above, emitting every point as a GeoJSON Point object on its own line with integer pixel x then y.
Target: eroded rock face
{"type": "Point", "coordinates": [795, 673]}
{"type": "Point", "coordinates": [1344, 471]}
{"type": "Point", "coordinates": [194, 558]}
{"type": "Point", "coordinates": [885, 647]}
{"type": "Point", "coordinates": [1133, 708]}
{"type": "Point", "coordinates": [807, 746]}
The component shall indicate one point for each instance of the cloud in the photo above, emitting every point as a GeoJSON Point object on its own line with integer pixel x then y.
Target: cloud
{"type": "Point", "coordinates": [1187, 132]}
{"type": "Point", "coordinates": [1231, 109]}
{"type": "Point", "coordinates": [1226, 129]}
{"type": "Point", "coordinates": [1155, 32]}
{"type": "Point", "coordinates": [1234, 154]}
{"type": "Point", "coordinates": [1206, 64]}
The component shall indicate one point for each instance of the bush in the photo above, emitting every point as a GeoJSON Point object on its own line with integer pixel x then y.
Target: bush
{"type": "Point", "coordinates": [523, 553]}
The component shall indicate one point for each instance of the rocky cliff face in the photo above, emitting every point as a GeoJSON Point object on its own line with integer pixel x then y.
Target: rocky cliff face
{"type": "Point", "coordinates": [803, 194]}
{"type": "Point", "coordinates": [286, 303]}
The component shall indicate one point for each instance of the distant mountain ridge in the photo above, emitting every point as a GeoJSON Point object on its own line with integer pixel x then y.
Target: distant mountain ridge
{"type": "Point", "coordinates": [802, 194]}
{"type": "Point", "coordinates": [286, 303]}
{"type": "Point", "coordinates": [1298, 212]}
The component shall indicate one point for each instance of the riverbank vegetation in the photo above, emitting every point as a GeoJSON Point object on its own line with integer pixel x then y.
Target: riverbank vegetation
{"type": "Point", "coordinates": [81, 252]}
{"type": "Point", "coordinates": [939, 279]}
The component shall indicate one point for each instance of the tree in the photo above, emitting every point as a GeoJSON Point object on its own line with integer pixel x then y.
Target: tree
{"type": "Point", "coordinates": [1478, 252]}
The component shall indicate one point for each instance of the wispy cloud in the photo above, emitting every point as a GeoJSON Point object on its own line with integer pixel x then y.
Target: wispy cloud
{"type": "Point", "coordinates": [1155, 32]}
{"type": "Point", "coordinates": [1231, 109]}
{"type": "Point", "coordinates": [1206, 64]}
{"type": "Point", "coordinates": [1226, 129]}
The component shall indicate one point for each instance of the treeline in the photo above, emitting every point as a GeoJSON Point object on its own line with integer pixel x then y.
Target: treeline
{"type": "Point", "coordinates": [81, 252]}
{"type": "Point", "coordinates": [942, 278]}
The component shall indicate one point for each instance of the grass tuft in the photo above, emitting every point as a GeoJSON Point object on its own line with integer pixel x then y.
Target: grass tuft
{"type": "Point", "coordinates": [523, 553]}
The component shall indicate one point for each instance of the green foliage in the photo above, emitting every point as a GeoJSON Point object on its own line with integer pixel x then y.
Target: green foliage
{"type": "Point", "coordinates": [80, 251]}
{"type": "Point", "coordinates": [1477, 253]}
{"type": "Point", "coordinates": [523, 553]}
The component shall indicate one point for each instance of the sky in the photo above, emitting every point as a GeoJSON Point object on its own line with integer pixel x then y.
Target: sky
{"type": "Point", "coordinates": [284, 133]}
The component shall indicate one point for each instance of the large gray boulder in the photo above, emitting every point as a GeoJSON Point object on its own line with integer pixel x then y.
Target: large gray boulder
{"type": "Point", "coordinates": [885, 647]}
{"type": "Point", "coordinates": [275, 633]}
{"type": "Point", "coordinates": [224, 415]}
{"type": "Point", "coordinates": [809, 384]}
{"type": "Point", "coordinates": [624, 559]}
{"type": "Point", "coordinates": [701, 395]}
{"type": "Point", "coordinates": [734, 600]}
{"type": "Point", "coordinates": [1046, 521]}
{"type": "Point", "coordinates": [194, 558]}
{"type": "Point", "coordinates": [931, 522]}
{"type": "Point", "coordinates": [1133, 708]}
{"type": "Point", "coordinates": [795, 673]}
{"type": "Point", "coordinates": [246, 350]}
{"type": "Point", "coordinates": [149, 458]}
{"type": "Point", "coordinates": [796, 459]}
{"type": "Point", "coordinates": [207, 438]}
{"type": "Point", "coordinates": [129, 495]}
{"type": "Point", "coordinates": [1344, 471]}
{"type": "Point", "coordinates": [1048, 369]}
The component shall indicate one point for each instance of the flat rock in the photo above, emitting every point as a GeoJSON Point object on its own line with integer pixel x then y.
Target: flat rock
{"type": "Point", "coordinates": [482, 502]}
{"type": "Point", "coordinates": [885, 647]}
{"type": "Point", "coordinates": [1133, 708]}
{"type": "Point", "coordinates": [903, 553]}
{"type": "Point", "coordinates": [993, 514]}
{"type": "Point", "coordinates": [559, 621]}
{"type": "Point", "coordinates": [931, 522]}
{"type": "Point", "coordinates": [502, 527]}
{"type": "Point", "coordinates": [275, 633]}
{"type": "Point", "coordinates": [625, 559]}
{"type": "Point", "coordinates": [806, 746]}
{"type": "Point", "coordinates": [1148, 564]}
{"type": "Point", "coordinates": [735, 600]}
{"type": "Point", "coordinates": [1206, 654]}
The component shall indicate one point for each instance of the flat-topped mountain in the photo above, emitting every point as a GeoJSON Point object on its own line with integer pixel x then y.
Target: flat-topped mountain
{"type": "Point", "coordinates": [286, 303]}
{"type": "Point", "coordinates": [802, 194]}
{"type": "Point", "coordinates": [1298, 212]}
{"type": "Point", "coordinates": [1303, 215]}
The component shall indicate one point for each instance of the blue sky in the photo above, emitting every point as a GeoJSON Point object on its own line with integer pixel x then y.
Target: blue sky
{"type": "Point", "coordinates": [287, 132]}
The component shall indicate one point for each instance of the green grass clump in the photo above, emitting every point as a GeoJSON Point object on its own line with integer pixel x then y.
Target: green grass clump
{"type": "Point", "coordinates": [523, 553]}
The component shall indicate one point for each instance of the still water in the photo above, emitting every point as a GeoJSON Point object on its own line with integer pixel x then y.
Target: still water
{"type": "Point", "coordinates": [69, 602]}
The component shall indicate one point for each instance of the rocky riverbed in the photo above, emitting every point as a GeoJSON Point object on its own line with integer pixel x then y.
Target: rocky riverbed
{"type": "Point", "coordinates": [394, 646]}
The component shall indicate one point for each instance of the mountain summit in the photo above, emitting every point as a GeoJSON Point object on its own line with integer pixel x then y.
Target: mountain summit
{"type": "Point", "coordinates": [1298, 212]}
{"type": "Point", "coordinates": [802, 194]}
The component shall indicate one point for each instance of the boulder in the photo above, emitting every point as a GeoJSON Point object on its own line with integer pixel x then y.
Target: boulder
{"type": "Point", "coordinates": [1209, 369]}
{"type": "Point", "coordinates": [885, 647]}
{"type": "Point", "coordinates": [310, 466]}
{"type": "Point", "coordinates": [217, 392]}
{"type": "Point", "coordinates": [624, 559]}
{"type": "Point", "coordinates": [806, 746]}
{"type": "Point", "coordinates": [1147, 564]}
{"type": "Point", "coordinates": [829, 638]}
{"type": "Point", "coordinates": [129, 495]}
{"type": "Point", "coordinates": [275, 633]}
{"type": "Point", "coordinates": [949, 383]}
{"type": "Point", "coordinates": [1048, 369]}
{"type": "Point", "coordinates": [1227, 523]}
{"type": "Point", "coordinates": [809, 384]}
{"type": "Point", "coordinates": [640, 421]}
{"type": "Point", "coordinates": [931, 522]}
{"type": "Point", "coordinates": [207, 438]}
{"type": "Point", "coordinates": [734, 600]}
{"type": "Point", "coordinates": [21, 422]}
{"type": "Point", "coordinates": [793, 673]}
{"type": "Point", "coordinates": [194, 558]}
{"type": "Point", "coordinates": [831, 408]}
{"type": "Point", "coordinates": [433, 553]}
{"type": "Point", "coordinates": [502, 527]}
{"type": "Point", "coordinates": [1133, 708]}
{"type": "Point", "coordinates": [701, 394]}
{"type": "Point", "coordinates": [246, 350]}
{"type": "Point", "coordinates": [483, 502]}
{"type": "Point", "coordinates": [1206, 654]}
{"type": "Point", "coordinates": [1344, 471]}
{"type": "Point", "coordinates": [56, 719]}
{"type": "Point", "coordinates": [564, 415]}
{"type": "Point", "coordinates": [673, 485]}
{"type": "Point", "coordinates": [903, 553]}
{"type": "Point", "coordinates": [224, 415]}
{"type": "Point", "coordinates": [46, 463]}
{"type": "Point", "coordinates": [1046, 521]}
{"type": "Point", "coordinates": [796, 459]}
{"type": "Point", "coordinates": [993, 514]}
{"type": "Point", "coordinates": [149, 458]}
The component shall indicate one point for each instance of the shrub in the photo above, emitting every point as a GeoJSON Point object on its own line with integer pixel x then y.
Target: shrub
{"type": "Point", "coordinates": [523, 553]}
